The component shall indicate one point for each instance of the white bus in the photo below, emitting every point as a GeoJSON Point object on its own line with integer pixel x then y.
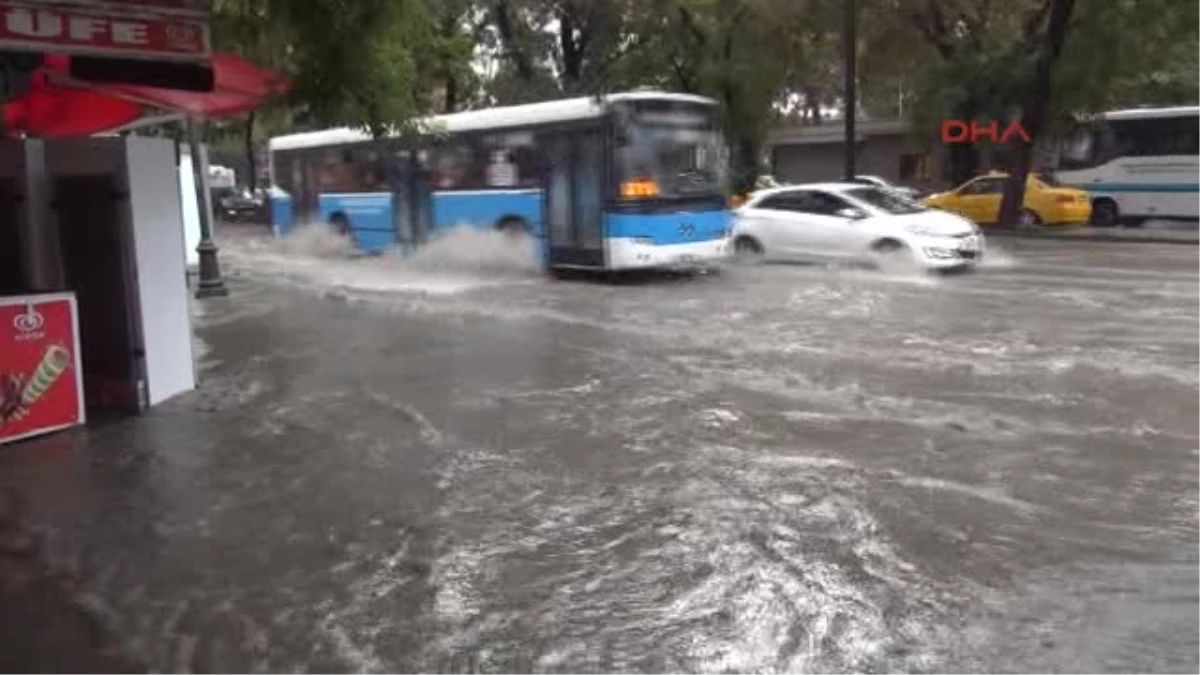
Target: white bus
{"type": "Point", "coordinates": [1138, 164]}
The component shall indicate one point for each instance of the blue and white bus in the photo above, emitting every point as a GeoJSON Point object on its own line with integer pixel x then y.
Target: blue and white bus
{"type": "Point", "coordinates": [1138, 164]}
{"type": "Point", "coordinates": [624, 181]}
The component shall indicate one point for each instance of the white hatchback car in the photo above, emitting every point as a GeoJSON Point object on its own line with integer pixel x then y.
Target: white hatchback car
{"type": "Point", "coordinates": [848, 220]}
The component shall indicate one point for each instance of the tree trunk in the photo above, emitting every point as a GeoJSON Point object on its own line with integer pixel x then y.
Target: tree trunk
{"type": "Point", "coordinates": [572, 56]}
{"type": "Point", "coordinates": [252, 181]}
{"type": "Point", "coordinates": [513, 48]}
{"type": "Point", "coordinates": [450, 99]}
{"type": "Point", "coordinates": [962, 163]}
{"type": "Point", "coordinates": [1035, 106]}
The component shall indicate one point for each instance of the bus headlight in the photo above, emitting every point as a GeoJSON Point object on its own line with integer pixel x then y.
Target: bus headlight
{"type": "Point", "coordinates": [639, 189]}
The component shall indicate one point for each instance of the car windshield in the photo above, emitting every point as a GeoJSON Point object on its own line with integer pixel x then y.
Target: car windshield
{"type": "Point", "coordinates": [1049, 180]}
{"type": "Point", "coordinates": [884, 200]}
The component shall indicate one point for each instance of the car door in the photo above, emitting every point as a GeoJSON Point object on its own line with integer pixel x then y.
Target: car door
{"type": "Point", "coordinates": [827, 229]}
{"type": "Point", "coordinates": [979, 200]}
{"type": "Point", "coordinates": [840, 221]}
{"type": "Point", "coordinates": [771, 221]}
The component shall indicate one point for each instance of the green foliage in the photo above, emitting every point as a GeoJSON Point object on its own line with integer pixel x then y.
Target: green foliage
{"type": "Point", "coordinates": [379, 64]}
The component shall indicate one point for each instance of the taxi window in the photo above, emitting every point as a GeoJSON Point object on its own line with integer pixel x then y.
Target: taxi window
{"type": "Point", "coordinates": [984, 186]}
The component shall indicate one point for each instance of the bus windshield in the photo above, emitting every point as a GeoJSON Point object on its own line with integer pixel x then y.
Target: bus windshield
{"type": "Point", "coordinates": [683, 160]}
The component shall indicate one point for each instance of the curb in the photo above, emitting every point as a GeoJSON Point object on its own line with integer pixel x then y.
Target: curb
{"type": "Point", "coordinates": [1094, 236]}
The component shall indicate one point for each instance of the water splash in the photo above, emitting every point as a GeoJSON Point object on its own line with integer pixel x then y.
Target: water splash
{"type": "Point", "coordinates": [458, 259]}
{"type": "Point", "coordinates": [465, 249]}
{"type": "Point", "coordinates": [317, 240]}
{"type": "Point", "coordinates": [998, 258]}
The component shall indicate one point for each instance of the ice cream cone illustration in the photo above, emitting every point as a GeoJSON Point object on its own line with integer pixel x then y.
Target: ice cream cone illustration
{"type": "Point", "coordinates": [54, 363]}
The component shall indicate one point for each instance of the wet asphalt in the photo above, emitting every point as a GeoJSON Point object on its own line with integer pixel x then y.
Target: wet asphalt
{"type": "Point", "coordinates": [454, 464]}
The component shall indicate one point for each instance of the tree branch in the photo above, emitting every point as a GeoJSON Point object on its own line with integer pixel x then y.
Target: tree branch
{"type": "Point", "coordinates": [931, 24]}
{"type": "Point", "coordinates": [689, 22]}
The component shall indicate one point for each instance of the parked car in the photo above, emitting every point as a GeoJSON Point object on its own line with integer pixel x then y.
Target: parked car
{"type": "Point", "coordinates": [1047, 202]}
{"type": "Point", "coordinates": [903, 191]}
{"type": "Point", "coordinates": [238, 206]}
{"type": "Point", "coordinates": [851, 221]}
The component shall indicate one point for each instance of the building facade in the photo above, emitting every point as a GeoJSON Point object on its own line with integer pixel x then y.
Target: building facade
{"type": "Point", "coordinates": [890, 149]}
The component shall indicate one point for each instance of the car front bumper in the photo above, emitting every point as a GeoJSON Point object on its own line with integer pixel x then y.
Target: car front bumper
{"type": "Point", "coordinates": [949, 252]}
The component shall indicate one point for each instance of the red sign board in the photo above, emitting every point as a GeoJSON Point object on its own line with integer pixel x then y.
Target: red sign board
{"type": "Point", "coordinates": [41, 381]}
{"type": "Point", "coordinates": [164, 30]}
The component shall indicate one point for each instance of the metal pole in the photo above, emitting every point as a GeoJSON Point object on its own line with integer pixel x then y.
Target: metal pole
{"type": "Point", "coordinates": [849, 86]}
{"type": "Point", "coordinates": [211, 285]}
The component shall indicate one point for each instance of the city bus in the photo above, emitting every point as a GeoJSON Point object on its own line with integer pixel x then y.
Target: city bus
{"type": "Point", "coordinates": [1137, 164]}
{"type": "Point", "coordinates": [624, 181]}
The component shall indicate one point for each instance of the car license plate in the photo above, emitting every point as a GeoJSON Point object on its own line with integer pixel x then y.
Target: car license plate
{"type": "Point", "coordinates": [685, 259]}
{"type": "Point", "coordinates": [969, 244]}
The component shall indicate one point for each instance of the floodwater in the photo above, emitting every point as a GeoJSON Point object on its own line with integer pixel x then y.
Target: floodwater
{"type": "Point", "coordinates": [450, 463]}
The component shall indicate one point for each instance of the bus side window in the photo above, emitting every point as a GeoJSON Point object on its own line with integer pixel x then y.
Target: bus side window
{"type": "Point", "coordinates": [456, 166]}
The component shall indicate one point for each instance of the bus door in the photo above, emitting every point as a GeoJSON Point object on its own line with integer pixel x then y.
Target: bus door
{"type": "Point", "coordinates": [574, 197]}
{"type": "Point", "coordinates": [421, 190]}
{"type": "Point", "coordinates": [401, 180]}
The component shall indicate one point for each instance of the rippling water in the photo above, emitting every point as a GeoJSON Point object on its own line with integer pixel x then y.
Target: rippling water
{"type": "Point", "coordinates": [447, 463]}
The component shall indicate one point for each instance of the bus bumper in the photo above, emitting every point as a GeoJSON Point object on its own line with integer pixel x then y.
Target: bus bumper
{"type": "Point", "coordinates": [627, 253]}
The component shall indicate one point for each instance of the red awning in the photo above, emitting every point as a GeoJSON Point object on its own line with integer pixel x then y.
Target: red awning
{"type": "Point", "coordinates": [50, 111]}
{"type": "Point", "coordinates": [239, 87]}
{"type": "Point", "coordinates": [59, 106]}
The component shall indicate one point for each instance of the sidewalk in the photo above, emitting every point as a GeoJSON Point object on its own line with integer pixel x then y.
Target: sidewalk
{"type": "Point", "coordinates": [1158, 234]}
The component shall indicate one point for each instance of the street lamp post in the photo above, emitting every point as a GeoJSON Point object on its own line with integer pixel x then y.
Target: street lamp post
{"type": "Point", "coordinates": [211, 284]}
{"type": "Point", "coordinates": [849, 85]}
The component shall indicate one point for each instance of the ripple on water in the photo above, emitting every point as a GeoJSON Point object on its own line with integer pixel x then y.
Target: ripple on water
{"type": "Point", "coordinates": [733, 561]}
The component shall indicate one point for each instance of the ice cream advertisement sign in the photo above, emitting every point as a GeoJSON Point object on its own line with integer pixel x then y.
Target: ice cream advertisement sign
{"type": "Point", "coordinates": [41, 388]}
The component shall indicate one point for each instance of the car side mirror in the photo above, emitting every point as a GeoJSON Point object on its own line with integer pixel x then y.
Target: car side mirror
{"type": "Point", "coordinates": [850, 214]}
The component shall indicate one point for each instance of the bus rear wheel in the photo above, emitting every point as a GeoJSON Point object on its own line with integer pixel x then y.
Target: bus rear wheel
{"type": "Point", "coordinates": [747, 249]}
{"type": "Point", "coordinates": [340, 224]}
{"type": "Point", "coordinates": [1105, 213]}
{"type": "Point", "coordinates": [513, 227]}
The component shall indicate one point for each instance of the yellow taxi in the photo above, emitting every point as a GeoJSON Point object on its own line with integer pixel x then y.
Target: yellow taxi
{"type": "Point", "coordinates": [1047, 202]}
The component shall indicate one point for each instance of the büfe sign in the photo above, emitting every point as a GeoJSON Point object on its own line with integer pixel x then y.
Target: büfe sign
{"type": "Point", "coordinates": [164, 30]}
{"type": "Point", "coordinates": [41, 381]}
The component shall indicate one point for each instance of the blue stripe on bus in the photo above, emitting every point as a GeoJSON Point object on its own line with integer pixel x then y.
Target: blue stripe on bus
{"type": "Point", "coordinates": [485, 209]}
{"type": "Point", "coordinates": [369, 215]}
{"type": "Point", "coordinates": [1138, 187]}
{"type": "Point", "coordinates": [281, 214]}
{"type": "Point", "coordinates": [669, 228]}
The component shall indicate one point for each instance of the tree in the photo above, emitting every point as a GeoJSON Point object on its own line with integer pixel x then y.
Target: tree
{"type": "Point", "coordinates": [740, 52]}
{"type": "Point", "coordinates": [358, 62]}
{"type": "Point", "coordinates": [973, 51]}
{"type": "Point", "coordinates": [1085, 56]}
{"type": "Point", "coordinates": [1045, 42]}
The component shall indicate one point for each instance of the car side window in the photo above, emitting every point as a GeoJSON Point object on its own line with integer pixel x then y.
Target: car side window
{"type": "Point", "coordinates": [983, 186]}
{"type": "Point", "coordinates": [793, 202]}
{"type": "Point", "coordinates": [776, 203]}
{"type": "Point", "coordinates": [822, 204]}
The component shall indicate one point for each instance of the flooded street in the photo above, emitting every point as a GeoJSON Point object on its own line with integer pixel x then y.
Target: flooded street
{"type": "Point", "coordinates": [455, 464]}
